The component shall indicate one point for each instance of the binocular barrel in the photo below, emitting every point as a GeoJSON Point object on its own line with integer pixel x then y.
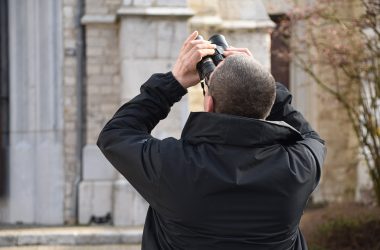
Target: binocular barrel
{"type": "Point", "coordinates": [207, 65]}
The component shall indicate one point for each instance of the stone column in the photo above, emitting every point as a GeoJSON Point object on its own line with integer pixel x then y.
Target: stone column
{"type": "Point", "coordinates": [102, 100]}
{"type": "Point", "coordinates": [207, 22]}
{"type": "Point", "coordinates": [151, 35]}
{"type": "Point", "coordinates": [246, 24]}
{"type": "Point", "coordinates": [36, 125]}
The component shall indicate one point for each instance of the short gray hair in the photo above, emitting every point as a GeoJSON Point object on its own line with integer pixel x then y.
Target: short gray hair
{"type": "Point", "coordinates": [242, 86]}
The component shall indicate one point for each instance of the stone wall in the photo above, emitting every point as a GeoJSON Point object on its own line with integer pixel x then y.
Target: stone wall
{"type": "Point", "coordinates": [103, 76]}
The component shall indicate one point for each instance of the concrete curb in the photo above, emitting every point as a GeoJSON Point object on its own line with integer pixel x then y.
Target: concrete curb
{"type": "Point", "coordinates": [105, 235]}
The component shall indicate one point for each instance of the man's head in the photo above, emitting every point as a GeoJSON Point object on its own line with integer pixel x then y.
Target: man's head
{"type": "Point", "coordinates": [241, 86]}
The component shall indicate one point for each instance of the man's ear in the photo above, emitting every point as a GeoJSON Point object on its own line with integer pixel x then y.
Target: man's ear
{"type": "Point", "coordinates": [209, 103]}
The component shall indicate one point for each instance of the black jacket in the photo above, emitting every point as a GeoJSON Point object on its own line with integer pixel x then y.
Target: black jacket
{"type": "Point", "coordinates": [229, 183]}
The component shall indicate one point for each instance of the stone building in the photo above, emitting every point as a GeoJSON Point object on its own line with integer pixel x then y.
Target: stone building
{"type": "Point", "coordinates": [67, 65]}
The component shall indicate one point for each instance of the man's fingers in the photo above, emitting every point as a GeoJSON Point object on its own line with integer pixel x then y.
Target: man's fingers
{"type": "Point", "coordinates": [197, 43]}
{"type": "Point", "coordinates": [199, 54]}
{"type": "Point", "coordinates": [230, 53]}
{"type": "Point", "coordinates": [231, 50]}
{"type": "Point", "coordinates": [191, 37]}
{"type": "Point", "coordinates": [237, 49]}
{"type": "Point", "coordinates": [188, 40]}
{"type": "Point", "coordinates": [204, 46]}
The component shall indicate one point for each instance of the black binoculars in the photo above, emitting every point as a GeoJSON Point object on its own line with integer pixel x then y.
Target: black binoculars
{"type": "Point", "coordinates": [208, 63]}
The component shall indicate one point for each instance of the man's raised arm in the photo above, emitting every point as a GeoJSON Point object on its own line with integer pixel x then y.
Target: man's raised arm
{"type": "Point", "coordinates": [282, 110]}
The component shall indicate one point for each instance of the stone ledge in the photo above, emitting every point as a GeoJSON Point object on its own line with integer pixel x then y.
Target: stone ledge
{"type": "Point", "coordinates": [98, 19]}
{"type": "Point", "coordinates": [97, 235]}
{"type": "Point", "coordinates": [247, 25]}
{"type": "Point", "coordinates": [155, 11]}
{"type": "Point", "coordinates": [206, 21]}
{"type": "Point", "coordinates": [231, 24]}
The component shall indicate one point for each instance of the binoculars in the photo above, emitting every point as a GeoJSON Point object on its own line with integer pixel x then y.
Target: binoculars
{"type": "Point", "coordinates": [208, 63]}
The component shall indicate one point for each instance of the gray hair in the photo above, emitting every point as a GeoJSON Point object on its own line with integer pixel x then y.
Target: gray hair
{"type": "Point", "coordinates": [241, 86]}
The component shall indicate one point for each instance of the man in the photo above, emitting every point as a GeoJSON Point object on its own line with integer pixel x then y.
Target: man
{"type": "Point", "coordinates": [234, 180]}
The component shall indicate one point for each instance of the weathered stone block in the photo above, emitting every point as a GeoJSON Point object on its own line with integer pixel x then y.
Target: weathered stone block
{"type": "Point", "coordinates": [95, 165]}
{"type": "Point", "coordinates": [110, 69]}
{"type": "Point", "coordinates": [69, 2]}
{"type": "Point", "coordinates": [242, 10]}
{"type": "Point", "coordinates": [257, 42]}
{"type": "Point", "coordinates": [113, 2]}
{"type": "Point", "coordinates": [142, 2]}
{"type": "Point", "coordinates": [93, 69]}
{"type": "Point", "coordinates": [136, 72]}
{"type": "Point", "coordinates": [107, 237]}
{"type": "Point", "coordinates": [8, 240]}
{"type": "Point", "coordinates": [173, 124]}
{"type": "Point", "coordinates": [94, 51]}
{"type": "Point", "coordinates": [179, 3]}
{"type": "Point", "coordinates": [93, 9]}
{"type": "Point", "coordinates": [138, 37]}
{"type": "Point", "coordinates": [99, 80]}
{"type": "Point", "coordinates": [68, 11]}
{"type": "Point", "coordinates": [95, 199]}
{"type": "Point", "coordinates": [170, 37]}
{"type": "Point", "coordinates": [92, 32]}
{"type": "Point", "coordinates": [129, 207]}
{"type": "Point", "coordinates": [98, 42]}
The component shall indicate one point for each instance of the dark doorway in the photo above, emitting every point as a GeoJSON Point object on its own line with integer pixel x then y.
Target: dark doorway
{"type": "Point", "coordinates": [4, 96]}
{"type": "Point", "coordinates": [280, 49]}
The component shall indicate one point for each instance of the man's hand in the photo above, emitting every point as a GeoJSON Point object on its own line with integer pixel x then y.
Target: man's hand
{"type": "Point", "coordinates": [191, 53]}
{"type": "Point", "coordinates": [237, 51]}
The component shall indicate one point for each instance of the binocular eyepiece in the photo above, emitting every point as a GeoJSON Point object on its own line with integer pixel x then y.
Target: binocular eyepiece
{"type": "Point", "coordinates": [208, 63]}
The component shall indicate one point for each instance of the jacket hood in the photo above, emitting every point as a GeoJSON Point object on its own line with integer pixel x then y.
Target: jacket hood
{"type": "Point", "coordinates": [237, 130]}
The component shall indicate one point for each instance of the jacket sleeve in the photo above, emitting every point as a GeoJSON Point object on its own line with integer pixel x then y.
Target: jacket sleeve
{"type": "Point", "coordinates": [282, 110]}
{"type": "Point", "coordinates": [126, 141]}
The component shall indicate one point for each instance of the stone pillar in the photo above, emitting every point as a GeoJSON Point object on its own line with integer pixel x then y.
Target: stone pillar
{"type": "Point", "coordinates": [151, 35]}
{"type": "Point", "coordinates": [247, 24]}
{"type": "Point", "coordinates": [207, 22]}
{"type": "Point", "coordinates": [102, 100]}
{"type": "Point", "coordinates": [36, 125]}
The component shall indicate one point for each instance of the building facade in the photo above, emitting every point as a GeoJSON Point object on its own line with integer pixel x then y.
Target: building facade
{"type": "Point", "coordinates": [67, 65]}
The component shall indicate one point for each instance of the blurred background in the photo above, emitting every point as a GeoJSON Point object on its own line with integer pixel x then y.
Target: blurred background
{"type": "Point", "coordinates": [67, 65]}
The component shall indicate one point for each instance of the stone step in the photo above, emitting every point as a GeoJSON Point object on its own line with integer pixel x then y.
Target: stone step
{"type": "Point", "coordinates": [65, 238]}
{"type": "Point", "coordinates": [84, 247]}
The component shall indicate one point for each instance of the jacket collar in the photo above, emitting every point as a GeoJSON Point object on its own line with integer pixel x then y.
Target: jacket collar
{"type": "Point", "coordinates": [236, 130]}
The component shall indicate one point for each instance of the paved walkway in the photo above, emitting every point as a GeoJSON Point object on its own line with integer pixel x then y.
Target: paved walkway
{"type": "Point", "coordinates": [71, 238]}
